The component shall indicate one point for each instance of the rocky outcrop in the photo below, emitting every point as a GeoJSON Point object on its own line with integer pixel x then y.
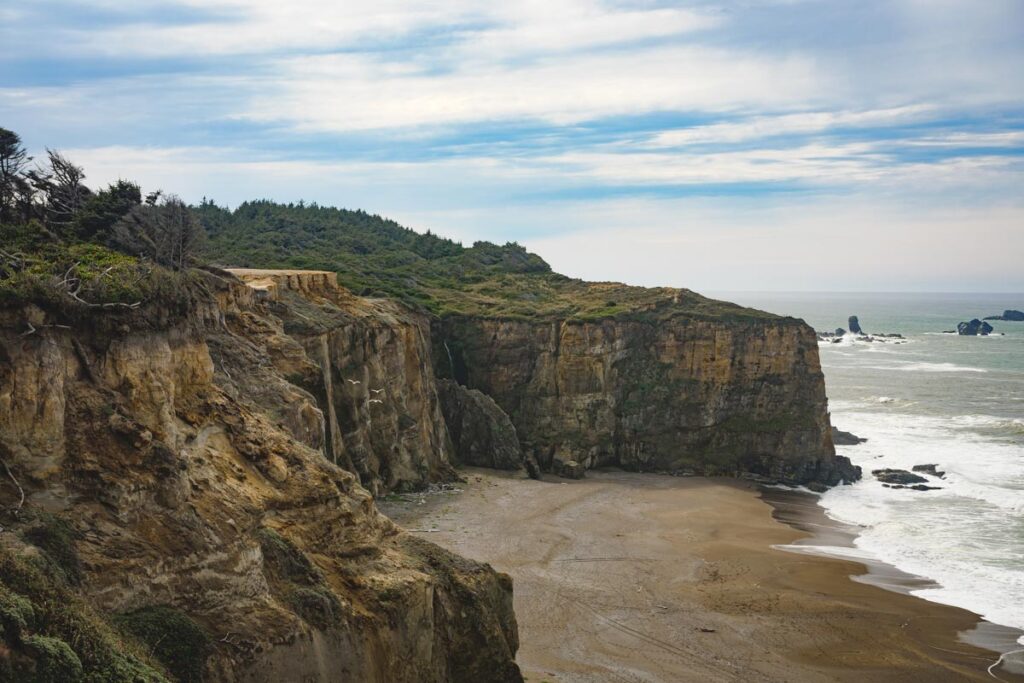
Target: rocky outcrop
{"type": "Point", "coordinates": [841, 438]}
{"type": "Point", "coordinates": [366, 365]}
{"type": "Point", "coordinates": [676, 393]}
{"type": "Point", "coordinates": [188, 466]}
{"type": "Point", "coordinates": [931, 469]}
{"type": "Point", "coordinates": [854, 325]}
{"type": "Point", "coordinates": [482, 434]}
{"type": "Point", "coordinates": [973, 328]}
{"type": "Point", "coordinates": [891, 476]}
{"type": "Point", "coordinates": [1008, 314]}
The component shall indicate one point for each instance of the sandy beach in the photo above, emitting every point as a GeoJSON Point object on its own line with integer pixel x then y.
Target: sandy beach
{"type": "Point", "coordinates": [634, 577]}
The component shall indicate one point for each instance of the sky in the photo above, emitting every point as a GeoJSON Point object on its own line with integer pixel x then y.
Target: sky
{"type": "Point", "coordinates": [719, 145]}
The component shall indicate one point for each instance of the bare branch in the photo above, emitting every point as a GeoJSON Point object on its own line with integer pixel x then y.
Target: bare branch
{"type": "Point", "coordinates": [21, 491]}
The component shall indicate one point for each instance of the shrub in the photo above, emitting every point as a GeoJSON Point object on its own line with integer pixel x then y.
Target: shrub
{"type": "Point", "coordinates": [55, 661]}
{"type": "Point", "coordinates": [176, 640]}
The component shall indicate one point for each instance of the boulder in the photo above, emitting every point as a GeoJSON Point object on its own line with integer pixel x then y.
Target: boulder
{"type": "Point", "coordinates": [481, 432]}
{"type": "Point", "coordinates": [840, 332]}
{"type": "Point", "coordinates": [974, 328]}
{"type": "Point", "coordinates": [841, 438]}
{"type": "Point", "coordinates": [854, 325]}
{"type": "Point", "coordinates": [929, 469]}
{"type": "Point", "coordinates": [567, 469]}
{"type": "Point", "coordinates": [901, 477]}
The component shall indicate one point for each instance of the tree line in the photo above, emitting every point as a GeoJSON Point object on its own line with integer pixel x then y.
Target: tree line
{"type": "Point", "coordinates": [47, 201]}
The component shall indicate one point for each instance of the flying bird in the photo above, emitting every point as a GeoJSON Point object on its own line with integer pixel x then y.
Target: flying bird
{"type": "Point", "coordinates": [376, 391]}
{"type": "Point", "coordinates": [376, 400]}
{"type": "Point", "coordinates": [352, 381]}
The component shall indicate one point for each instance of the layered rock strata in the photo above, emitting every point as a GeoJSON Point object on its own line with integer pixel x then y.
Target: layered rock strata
{"type": "Point", "coordinates": [196, 471]}
{"type": "Point", "coordinates": [672, 393]}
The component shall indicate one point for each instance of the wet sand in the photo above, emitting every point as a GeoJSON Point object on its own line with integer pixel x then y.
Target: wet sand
{"type": "Point", "coordinates": [634, 577]}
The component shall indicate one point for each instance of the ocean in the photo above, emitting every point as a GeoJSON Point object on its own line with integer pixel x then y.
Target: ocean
{"type": "Point", "coordinates": [952, 401]}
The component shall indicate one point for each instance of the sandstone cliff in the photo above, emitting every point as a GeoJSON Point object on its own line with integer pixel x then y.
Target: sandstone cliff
{"type": "Point", "coordinates": [655, 392]}
{"type": "Point", "coordinates": [366, 364]}
{"type": "Point", "coordinates": [188, 459]}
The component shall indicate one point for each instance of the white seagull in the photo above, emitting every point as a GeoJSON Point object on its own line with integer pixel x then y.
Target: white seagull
{"type": "Point", "coordinates": [376, 391]}
{"type": "Point", "coordinates": [352, 381]}
{"type": "Point", "coordinates": [376, 400]}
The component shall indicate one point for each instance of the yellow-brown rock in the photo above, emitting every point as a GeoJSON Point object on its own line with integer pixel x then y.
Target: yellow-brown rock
{"type": "Point", "coordinates": [658, 392]}
{"type": "Point", "coordinates": [188, 459]}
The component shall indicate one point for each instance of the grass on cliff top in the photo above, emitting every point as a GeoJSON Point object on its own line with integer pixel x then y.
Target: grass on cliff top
{"type": "Point", "coordinates": [374, 256]}
{"type": "Point", "coordinates": [49, 271]}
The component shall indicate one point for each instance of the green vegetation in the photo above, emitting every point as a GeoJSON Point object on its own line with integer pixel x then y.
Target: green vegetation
{"type": "Point", "coordinates": [56, 538]}
{"type": "Point", "coordinates": [374, 256]}
{"type": "Point", "coordinates": [73, 251]}
{"type": "Point", "coordinates": [179, 643]}
{"type": "Point", "coordinates": [64, 244]}
{"type": "Point", "coordinates": [49, 635]}
{"type": "Point", "coordinates": [297, 581]}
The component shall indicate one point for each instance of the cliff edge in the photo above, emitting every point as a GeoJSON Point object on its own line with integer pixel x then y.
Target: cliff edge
{"type": "Point", "coordinates": [174, 482]}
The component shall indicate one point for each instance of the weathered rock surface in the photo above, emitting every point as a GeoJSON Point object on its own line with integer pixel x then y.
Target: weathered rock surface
{"type": "Point", "coordinates": [903, 477]}
{"type": "Point", "coordinates": [190, 463]}
{"type": "Point", "coordinates": [568, 469]}
{"type": "Point", "coordinates": [973, 328]}
{"type": "Point", "coordinates": [481, 432]}
{"type": "Point", "coordinates": [718, 397]}
{"type": "Point", "coordinates": [841, 438]}
{"type": "Point", "coordinates": [929, 469]}
{"type": "Point", "coordinates": [854, 325]}
{"type": "Point", "coordinates": [366, 365]}
{"type": "Point", "coordinates": [1008, 314]}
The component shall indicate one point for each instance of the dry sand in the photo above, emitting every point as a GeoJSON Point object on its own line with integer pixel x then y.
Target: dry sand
{"type": "Point", "coordinates": [634, 577]}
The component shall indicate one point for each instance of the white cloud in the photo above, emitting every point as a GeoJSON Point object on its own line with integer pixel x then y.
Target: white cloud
{"type": "Point", "coordinates": [353, 92]}
{"type": "Point", "coordinates": [761, 127]}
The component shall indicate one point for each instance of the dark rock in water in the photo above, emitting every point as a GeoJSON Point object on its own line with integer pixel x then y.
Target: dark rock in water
{"type": "Point", "coordinates": [567, 469]}
{"type": "Point", "coordinates": [854, 325]}
{"type": "Point", "coordinates": [841, 438]}
{"type": "Point", "coordinates": [915, 487]}
{"type": "Point", "coordinates": [817, 487]}
{"type": "Point", "coordinates": [929, 469]}
{"type": "Point", "coordinates": [974, 328]}
{"type": "Point", "coordinates": [483, 435]}
{"type": "Point", "coordinates": [1008, 314]}
{"type": "Point", "coordinates": [949, 332]}
{"type": "Point", "coordinates": [840, 332]}
{"type": "Point", "coordinates": [837, 340]}
{"type": "Point", "coordinates": [890, 476]}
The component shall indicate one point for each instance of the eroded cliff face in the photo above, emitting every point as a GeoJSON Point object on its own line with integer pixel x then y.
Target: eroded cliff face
{"type": "Point", "coordinates": [714, 397]}
{"type": "Point", "coordinates": [367, 365]}
{"type": "Point", "coordinates": [198, 473]}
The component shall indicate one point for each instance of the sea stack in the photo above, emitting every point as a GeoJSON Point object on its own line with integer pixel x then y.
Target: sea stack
{"type": "Point", "coordinates": [973, 328]}
{"type": "Point", "coordinates": [854, 325]}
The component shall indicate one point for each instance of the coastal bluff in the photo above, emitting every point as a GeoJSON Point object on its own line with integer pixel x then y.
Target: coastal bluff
{"type": "Point", "coordinates": [668, 391]}
{"type": "Point", "coordinates": [210, 462]}
{"type": "Point", "coordinates": [182, 474]}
